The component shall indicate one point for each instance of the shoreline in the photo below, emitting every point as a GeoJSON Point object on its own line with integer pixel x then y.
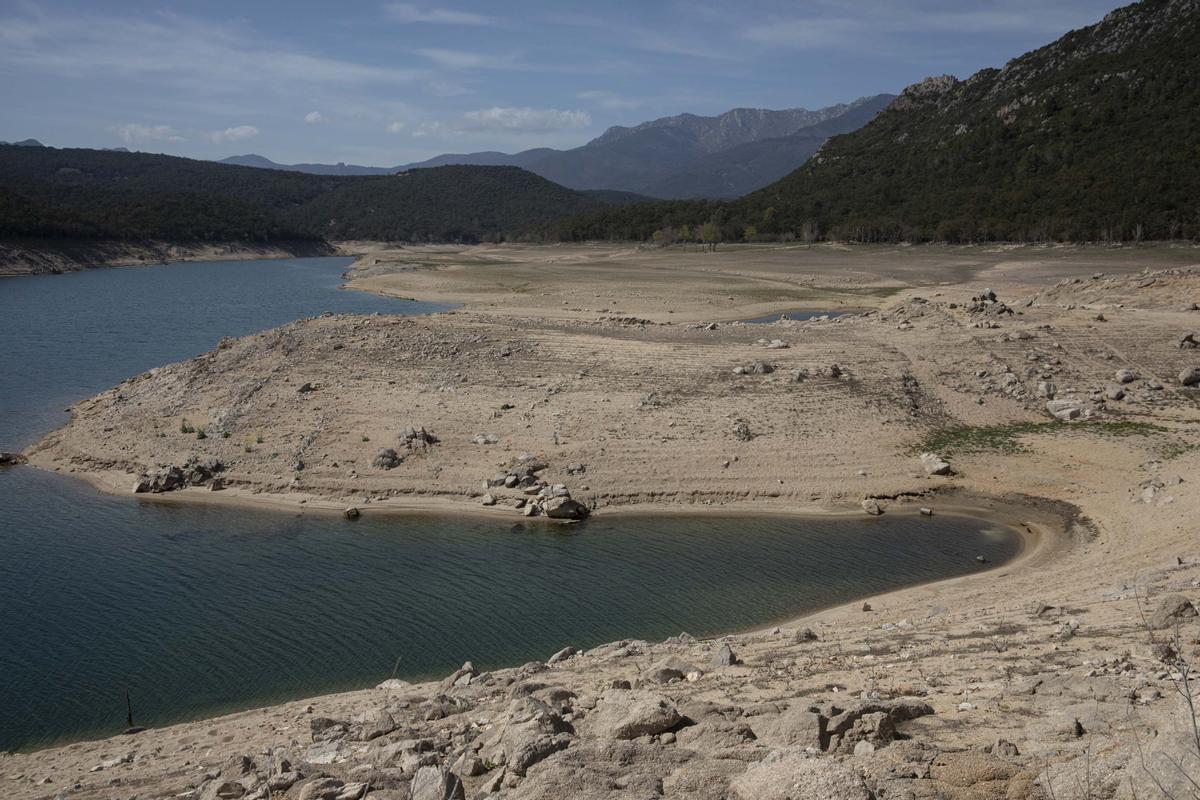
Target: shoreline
{"type": "Point", "coordinates": [1041, 534]}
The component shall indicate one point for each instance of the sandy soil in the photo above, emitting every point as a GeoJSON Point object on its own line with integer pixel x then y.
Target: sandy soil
{"type": "Point", "coordinates": [1050, 653]}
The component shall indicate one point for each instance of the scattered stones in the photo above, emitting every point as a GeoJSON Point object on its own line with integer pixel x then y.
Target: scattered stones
{"type": "Point", "coordinates": [195, 471]}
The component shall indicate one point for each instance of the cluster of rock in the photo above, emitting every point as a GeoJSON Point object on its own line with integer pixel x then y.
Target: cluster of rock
{"type": "Point", "coordinates": [535, 496]}
{"type": "Point", "coordinates": [11, 459]}
{"type": "Point", "coordinates": [985, 303]}
{"type": "Point", "coordinates": [412, 440]}
{"type": "Point", "coordinates": [196, 471]}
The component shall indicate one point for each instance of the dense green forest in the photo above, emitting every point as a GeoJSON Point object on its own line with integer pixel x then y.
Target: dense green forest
{"type": "Point", "coordinates": [97, 194]}
{"type": "Point", "coordinates": [1095, 137]}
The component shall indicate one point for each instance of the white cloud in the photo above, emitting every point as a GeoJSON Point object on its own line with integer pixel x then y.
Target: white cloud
{"type": "Point", "coordinates": [196, 56]}
{"type": "Point", "coordinates": [235, 134]}
{"type": "Point", "coordinates": [315, 118]}
{"type": "Point", "coordinates": [408, 12]}
{"type": "Point", "coordinates": [136, 133]}
{"type": "Point", "coordinates": [523, 119]}
{"type": "Point", "coordinates": [395, 127]}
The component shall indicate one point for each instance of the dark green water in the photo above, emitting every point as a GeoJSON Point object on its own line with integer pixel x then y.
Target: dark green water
{"type": "Point", "coordinates": [198, 610]}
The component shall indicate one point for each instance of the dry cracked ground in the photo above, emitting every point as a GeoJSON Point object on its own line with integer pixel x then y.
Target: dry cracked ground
{"type": "Point", "coordinates": [1062, 400]}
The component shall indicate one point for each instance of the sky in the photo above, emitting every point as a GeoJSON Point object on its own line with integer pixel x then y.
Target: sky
{"type": "Point", "coordinates": [386, 83]}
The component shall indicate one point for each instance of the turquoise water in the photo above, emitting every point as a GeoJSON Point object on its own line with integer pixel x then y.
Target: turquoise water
{"type": "Point", "coordinates": [198, 610]}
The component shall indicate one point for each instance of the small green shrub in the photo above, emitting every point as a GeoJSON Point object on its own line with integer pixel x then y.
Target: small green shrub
{"type": "Point", "coordinates": [200, 434]}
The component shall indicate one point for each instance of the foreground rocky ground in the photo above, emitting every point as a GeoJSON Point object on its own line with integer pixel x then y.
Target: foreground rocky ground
{"type": "Point", "coordinates": [1061, 402]}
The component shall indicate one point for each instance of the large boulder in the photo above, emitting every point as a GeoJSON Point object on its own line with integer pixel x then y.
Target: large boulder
{"type": "Point", "coordinates": [795, 775]}
{"type": "Point", "coordinates": [628, 714]}
{"type": "Point", "coordinates": [1172, 609]}
{"type": "Point", "coordinates": [671, 668]}
{"type": "Point", "coordinates": [530, 732]}
{"type": "Point", "coordinates": [435, 783]}
{"type": "Point", "coordinates": [564, 508]}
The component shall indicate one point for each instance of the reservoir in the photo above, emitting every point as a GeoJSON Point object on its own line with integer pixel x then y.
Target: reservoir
{"type": "Point", "coordinates": [197, 610]}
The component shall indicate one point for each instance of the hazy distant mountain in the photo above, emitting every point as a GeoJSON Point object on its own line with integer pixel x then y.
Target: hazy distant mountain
{"type": "Point", "coordinates": [739, 170]}
{"type": "Point", "coordinates": [262, 162]}
{"type": "Point", "coordinates": [670, 157]}
{"type": "Point", "coordinates": [24, 143]}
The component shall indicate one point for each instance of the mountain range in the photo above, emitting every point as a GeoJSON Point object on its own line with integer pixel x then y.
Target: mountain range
{"type": "Point", "coordinates": [1095, 136]}
{"type": "Point", "coordinates": [683, 156]}
{"type": "Point", "coordinates": [51, 193]}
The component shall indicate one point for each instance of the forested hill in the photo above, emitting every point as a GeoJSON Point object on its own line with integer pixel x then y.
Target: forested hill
{"type": "Point", "coordinates": [1093, 137]}
{"type": "Point", "coordinates": [98, 194]}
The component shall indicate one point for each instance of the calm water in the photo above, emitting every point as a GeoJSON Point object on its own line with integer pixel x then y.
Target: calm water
{"type": "Point", "coordinates": [198, 610]}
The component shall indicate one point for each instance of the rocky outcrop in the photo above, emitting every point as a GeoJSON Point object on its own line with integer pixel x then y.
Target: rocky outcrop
{"type": "Point", "coordinates": [196, 471]}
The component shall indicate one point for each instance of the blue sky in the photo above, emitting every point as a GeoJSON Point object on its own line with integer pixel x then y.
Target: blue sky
{"type": "Point", "coordinates": [385, 83]}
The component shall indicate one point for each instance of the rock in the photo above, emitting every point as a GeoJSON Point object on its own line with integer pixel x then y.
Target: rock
{"type": "Point", "coordinates": [777, 344]}
{"type": "Point", "coordinates": [352, 513]}
{"type": "Point", "coordinates": [466, 671]}
{"type": "Point", "coordinates": [488, 500]}
{"type": "Point", "coordinates": [1126, 376]}
{"type": "Point", "coordinates": [671, 668]}
{"type": "Point", "coordinates": [485, 438]}
{"type": "Point", "coordinates": [1171, 610]}
{"type": "Point", "coordinates": [1003, 747]}
{"type": "Point", "coordinates": [806, 635]}
{"type": "Point", "coordinates": [926, 511]}
{"type": "Point", "coordinates": [724, 657]}
{"type": "Point", "coordinates": [1115, 392]}
{"type": "Point", "coordinates": [387, 458]}
{"type": "Point", "coordinates": [414, 437]}
{"type": "Point", "coordinates": [564, 508]}
{"type": "Point", "coordinates": [12, 459]}
{"type": "Point", "coordinates": [561, 655]}
{"type": "Point", "coordinates": [796, 775]}
{"type": "Point", "coordinates": [469, 766]}
{"type": "Point", "coordinates": [872, 507]}
{"type": "Point", "coordinates": [633, 713]}
{"type": "Point", "coordinates": [1190, 376]}
{"type": "Point", "coordinates": [576, 469]}
{"type": "Point", "coordinates": [435, 783]}
{"type": "Point", "coordinates": [1046, 389]}
{"type": "Point", "coordinates": [1188, 340]}
{"type": "Point", "coordinates": [321, 789]}
{"type": "Point", "coordinates": [531, 731]}
{"type": "Point", "coordinates": [933, 464]}
{"type": "Point", "coordinates": [1064, 410]}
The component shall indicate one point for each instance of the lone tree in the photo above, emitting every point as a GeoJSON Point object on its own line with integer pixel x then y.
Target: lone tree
{"type": "Point", "coordinates": [710, 234]}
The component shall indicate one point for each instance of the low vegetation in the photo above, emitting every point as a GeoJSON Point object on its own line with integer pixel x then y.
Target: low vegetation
{"type": "Point", "coordinates": [1008, 438]}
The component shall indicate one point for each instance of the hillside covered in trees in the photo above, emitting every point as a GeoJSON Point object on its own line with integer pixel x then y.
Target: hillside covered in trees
{"type": "Point", "coordinates": [1095, 137]}
{"type": "Point", "coordinates": [98, 194]}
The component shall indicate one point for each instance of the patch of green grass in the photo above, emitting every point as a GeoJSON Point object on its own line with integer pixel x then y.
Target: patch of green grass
{"type": "Point", "coordinates": [1006, 438]}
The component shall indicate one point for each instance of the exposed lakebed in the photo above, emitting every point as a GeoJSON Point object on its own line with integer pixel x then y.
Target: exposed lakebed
{"type": "Point", "coordinates": [196, 610]}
